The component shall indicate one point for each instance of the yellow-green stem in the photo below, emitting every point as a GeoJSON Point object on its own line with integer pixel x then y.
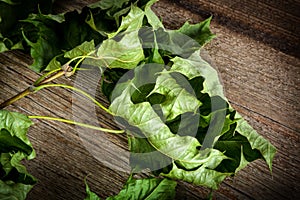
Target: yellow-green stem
{"type": "Point", "coordinates": [40, 79]}
{"type": "Point", "coordinates": [77, 64]}
{"type": "Point", "coordinates": [76, 90]}
{"type": "Point", "coordinates": [51, 78]}
{"type": "Point", "coordinates": [77, 123]}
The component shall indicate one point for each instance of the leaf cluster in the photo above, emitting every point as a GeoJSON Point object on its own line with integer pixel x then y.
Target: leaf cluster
{"type": "Point", "coordinates": [30, 26]}
{"type": "Point", "coordinates": [171, 103]}
{"type": "Point", "coordinates": [168, 99]}
{"type": "Point", "coordinates": [15, 181]}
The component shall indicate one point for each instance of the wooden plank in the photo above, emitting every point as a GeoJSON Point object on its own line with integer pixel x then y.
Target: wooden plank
{"type": "Point", "coordinates": [261, 82]}
{"type": "Point", "coordinates": [273, 22]}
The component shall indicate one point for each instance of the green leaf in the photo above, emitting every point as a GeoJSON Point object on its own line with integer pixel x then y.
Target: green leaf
{"type": "Point", "coordinates": [99, 23]}
{"type": "Point", "coordinates": [178, 99]}
{"type": "Point", "coordinates": [256, 141]}
{"type": "Point", "coordinates": [199, 32]}
{"type": "Point", "coordinates": [17, 125]}
{"type": "Point", "coordinates": [53, 64]}
{"type": "Point", "coordinates": [11, 17]}
{"type": "Point", "coordinates": [83, 49]}
{"type": "Point", "coordinates": [148, 188]}
{"type": "Point", "coordinates": [89, 194]}
{"type": "Point", "coordinates": [75, 30]}
{"type": "Point", "coordinates": [152, 18]}
{"type": "Point", "coordinates": [14, 170]}
{"type": "Point", "coordinates": [143, 155]}
{"type": "Point", "coordinates": [195, 66]}
{"type": "Point", "coordinates": [46, 46]}
{"type": "Point", "coordinates": [169, 42]}
{"type": "Point", "coordinates": [114, 9]}
{"type": "Point", "coordinates": [125, 54]}
{"type": "Point", "coordinates": [201, 176]}
{"type": "Point", "coordinates": [14, 10]}
{"type": "Point", "coordinates": [15, 182]}
{"type": "Point", "coordinates": [109, 4]}
{"type": "Point", "coordinates": [243, 161]}
{"type": "Point", "coordinates": [46, 19]}
{"type": "Point", "coordinates": [131, 22]}
{"type": "Point", "coordinates": [3, 47]}
{"type": "Point", "coordinates": [236, 147]}
{"type": "Point", "coordinates": [11, 2]}
{"type": "Point", "coordinates": [9, 143]}
{"type": "Point", "coordinates": [10, 190]}
{"type": "Point", "coordinates": [142, 115]}
{"type": "Point", "coordinates": [51, 35]}
{"type": "Point", "coordinates": [15, 146]}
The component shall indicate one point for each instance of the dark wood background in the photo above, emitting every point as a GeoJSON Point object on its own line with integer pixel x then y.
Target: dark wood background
{"type": "Point", "coordinates": [257, 55]}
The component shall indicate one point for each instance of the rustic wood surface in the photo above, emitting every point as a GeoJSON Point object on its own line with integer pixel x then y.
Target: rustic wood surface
{"type": "Point", "coordinates": [257, 55]}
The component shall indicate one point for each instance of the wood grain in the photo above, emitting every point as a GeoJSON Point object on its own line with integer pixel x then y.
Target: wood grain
{"type": "Point", "coordinates": [275, 22]}
{"type": "Point", "coordinates": [261, 81]}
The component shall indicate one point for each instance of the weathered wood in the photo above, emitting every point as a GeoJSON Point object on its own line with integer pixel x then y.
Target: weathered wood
{"type": "Point", "coordinates": [261, 82]}
{"type": "Point", "coordinates": [274, 22]}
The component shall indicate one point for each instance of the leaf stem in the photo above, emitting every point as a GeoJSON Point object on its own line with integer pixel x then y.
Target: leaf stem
{"type": "Point", "coordinates": [77, 123]}
{"type": "Point", "coordinates": [51, 78]}
{"type": "Point", "coordinates": [40, 79]}
{"type": "Point", "coordinates": [16, 98]}
{"type": "Point", "coordinates": [48, 77]}
{"type": "Point", "coordinates": [80, 57]}
{"type": "Point", "coordinates": [76, 90]}
{"type": "Point", "coordinates": [77, 64]}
